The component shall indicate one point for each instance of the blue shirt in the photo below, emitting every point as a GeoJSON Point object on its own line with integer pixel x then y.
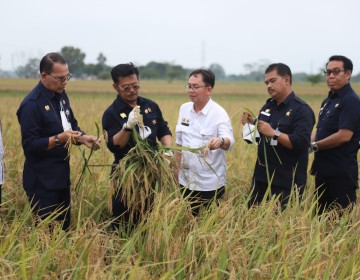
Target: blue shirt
{"type": "Point", "coordinates": [39, 118]}
{"type": "Point", "coordinates": [295, 118]}
{"type": "Point", "coordinates": [117, 114]}
{"type": "Point", "coordinates": [340, 110]}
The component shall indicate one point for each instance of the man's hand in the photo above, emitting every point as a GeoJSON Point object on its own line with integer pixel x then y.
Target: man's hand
{"type": "Point", "coordinates": [265, 129]}
{"type": "Point", "coordinates": [133, 118]}
{"type": "Point", "coordinates": [66, 135]}
{"type": "Point", "coordinates": [247, 118]}
{"type": "Point", "coordinates": [215, 143]}
{"type": "Point", "coordinates": [89, 141]}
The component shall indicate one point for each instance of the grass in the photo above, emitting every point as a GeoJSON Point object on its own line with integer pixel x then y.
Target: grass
{"type": "Point", "coordinates": [228, 242]}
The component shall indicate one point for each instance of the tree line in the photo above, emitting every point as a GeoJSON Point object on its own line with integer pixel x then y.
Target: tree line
{"type": "Point", "coordinates": [157, 70]}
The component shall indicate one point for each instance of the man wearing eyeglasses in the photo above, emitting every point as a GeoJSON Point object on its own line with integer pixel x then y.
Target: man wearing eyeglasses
{"type": "Point", "coordinates": [202, 124]}
{"type": "Point", "coordinates": [336, 142]}
{"type": "Point", "coordinates": [119, 121]}
{"type": "Point", "coordinates": [47, 123]}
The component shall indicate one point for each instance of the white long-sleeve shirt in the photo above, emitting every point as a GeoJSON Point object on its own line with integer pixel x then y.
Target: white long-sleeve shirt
{"type": "Point", "coordinates": [194, 130]}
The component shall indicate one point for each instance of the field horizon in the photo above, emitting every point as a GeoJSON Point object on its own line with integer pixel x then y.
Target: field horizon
{"type": "Point", "coordinates": [227, 242]}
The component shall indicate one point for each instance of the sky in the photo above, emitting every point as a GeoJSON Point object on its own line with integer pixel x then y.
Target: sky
{"type": "Point", "coordinates": [192, 33]}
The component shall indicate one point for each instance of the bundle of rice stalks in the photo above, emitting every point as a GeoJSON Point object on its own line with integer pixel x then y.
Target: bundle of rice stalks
{"type": "Point", "coordinates": [143, 173]}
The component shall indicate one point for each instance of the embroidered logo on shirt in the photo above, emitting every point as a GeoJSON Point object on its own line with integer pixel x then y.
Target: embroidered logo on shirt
{"type": "Point", "coordinates": [154, 121]}
{"type": "Point", "coordinates": [123, 115]}
{"type": "Point", "coordinates": [185, 121]}
{"type": "Point", "coordinates": [47, 107]}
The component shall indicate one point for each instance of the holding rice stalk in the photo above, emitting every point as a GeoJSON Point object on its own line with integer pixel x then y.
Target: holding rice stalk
{"type": "Point", "coordinates": [47, 124]}
{"type": "Point", "coordinates": [202, 124]}
{"type": "Point", "coordinates": [132, 125]}
{"type": "Point", "coordinates": [285, 123]}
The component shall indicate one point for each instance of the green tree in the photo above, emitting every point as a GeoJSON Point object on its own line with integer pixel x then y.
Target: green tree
{"type": "Point", "coordinates": [314, 79]}
{"type": "Point", "coordinates": [218, 71]}
{"type": "Point", "coordinates": [30, 69]}
{"type": "Point", "coordinates": [75, 59]}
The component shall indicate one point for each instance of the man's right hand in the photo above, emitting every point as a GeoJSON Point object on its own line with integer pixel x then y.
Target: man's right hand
{"type": "Point", "coordinates": [133, 118]}
{"type": "Point", "coordinates": [247, 118]}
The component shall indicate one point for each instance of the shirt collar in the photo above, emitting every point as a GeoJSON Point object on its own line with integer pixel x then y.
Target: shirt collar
{"type": "Point", "coordinates": [49, 94]}
{"type": "Point", "coordinates": [206, 109]}
{"type": "Point", "coordinates": [340, 92]}
{"type": "Point", "coordinates": [287, 100]}
{"type": "Point", "coordinates": [122, 105]}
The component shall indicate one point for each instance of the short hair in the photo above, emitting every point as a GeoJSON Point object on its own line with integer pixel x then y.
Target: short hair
{"type": "Point", "coordinates": [207, 74]}
{"type": "Point", "coordinates": [123, 70]}
{"type": "Point", "coordinates": [281, 68]}
{"type": "Point", "coordinates": [47, 62]}
{"type": "Point", "coordinates": [348, 65]}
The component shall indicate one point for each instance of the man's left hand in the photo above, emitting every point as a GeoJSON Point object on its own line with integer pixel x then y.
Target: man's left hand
{"type": "Point", "coordinates": [265, 129]}
{"type": "Point", "coordinates": [90, 141]}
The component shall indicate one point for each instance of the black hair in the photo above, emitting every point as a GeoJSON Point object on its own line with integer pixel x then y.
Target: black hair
{"type": "Point", "coordinates": [47, 62]}
{"type": "Point", "coordinates": [348, 65]}
{"type": "Point", "coordinates": [281, 68]}
{"type": "Point", "coordinates": [123, 70]}
{"type": "Point", "coordinates": [207, 74]}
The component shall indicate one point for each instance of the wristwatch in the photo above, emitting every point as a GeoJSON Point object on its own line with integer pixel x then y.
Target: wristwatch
{"type": "Point", "coordinates": [314, 147]}
{"type": "Point", "coordinates": [277, 134]}
{"type": "Point", "coordinates": [57, 140]}
{"type": "Point", "coordinates": [222, 142]}
{"type": "Point", "coordinates": [127, 129]}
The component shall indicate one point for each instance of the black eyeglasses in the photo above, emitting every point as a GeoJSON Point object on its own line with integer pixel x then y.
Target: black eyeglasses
{"type": "Point", "coordinates": [62, 78]}
{"type": "Point", "coordinates": [127, 88]}
{"type": "Point", "coordinates": [335, 72]}
{"type": "Point", "coordinates": [194, 87]}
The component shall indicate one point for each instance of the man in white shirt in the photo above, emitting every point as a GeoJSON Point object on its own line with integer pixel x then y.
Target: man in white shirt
{"type": "Point", "coordinates": [202, 124]}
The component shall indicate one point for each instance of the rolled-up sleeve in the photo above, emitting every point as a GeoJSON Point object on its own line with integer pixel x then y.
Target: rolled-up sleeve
{"type": "Point", "coordinates": [225, 130]}
{"type": "Point", "coordinates": [302, 127]}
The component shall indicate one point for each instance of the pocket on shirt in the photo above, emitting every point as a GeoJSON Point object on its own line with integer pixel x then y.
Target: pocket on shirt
{"type": "Point", "coordinates": [207, 133]}
{"type": "Point", "coordinates": [50, 118]}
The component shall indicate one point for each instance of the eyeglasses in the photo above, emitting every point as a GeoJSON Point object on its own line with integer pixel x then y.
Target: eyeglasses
{"type": "Point", "coordinates": [127, 88]}
{"type": "Point", "coordinates": [194, 87]}
{"type": "Point", "coordinates": [335, 72]}
{"type": "Point", "coordinates": [62, 78]}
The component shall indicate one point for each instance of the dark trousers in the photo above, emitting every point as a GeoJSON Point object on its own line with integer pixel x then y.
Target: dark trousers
{"type": "Point", "coordinates": [259, 189]}
{"type": "Point", "coordinates": [335, 191]}
{"type": "Point", "coordinates": [45, 202]}
{"type": "Point", "coordinates": [199, 199]}
{"type": "Point", "coordinates": [122, 215]}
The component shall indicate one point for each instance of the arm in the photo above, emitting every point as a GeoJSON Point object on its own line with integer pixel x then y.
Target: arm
{"type": "Point", "coordinates": [266, 130]}
{"type": "Point", "coordinates": [166, 140]}
{"type": "Point", "coordinates": [335, 140]}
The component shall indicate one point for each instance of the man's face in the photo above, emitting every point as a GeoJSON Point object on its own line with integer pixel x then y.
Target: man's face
{"type": "Point", "coordinates": [276, 85]}
{"type": "Point", "coordinates": [56, 81]}
{"type": "Point", "coordinates": [197, 90]}
{"type": "Point", "coordinates": [336, 76]}
{"type": "Point", "coordinates": [128, 88]}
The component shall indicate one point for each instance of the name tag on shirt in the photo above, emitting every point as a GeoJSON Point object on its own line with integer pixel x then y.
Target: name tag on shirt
{"type": "Point", "coordinates": [65, 123]}
{"type": "Point", "coordinates": [265, 113]}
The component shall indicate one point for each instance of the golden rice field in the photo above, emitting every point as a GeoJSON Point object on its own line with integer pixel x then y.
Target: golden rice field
{"type": "Point", "coordinates": [228, 242]}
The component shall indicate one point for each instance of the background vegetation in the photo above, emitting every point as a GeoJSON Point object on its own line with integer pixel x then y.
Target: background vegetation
{"type": "Point", "coordinates": [253, 71]}
{"type": "Point", "coordinates": [228, 242]}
